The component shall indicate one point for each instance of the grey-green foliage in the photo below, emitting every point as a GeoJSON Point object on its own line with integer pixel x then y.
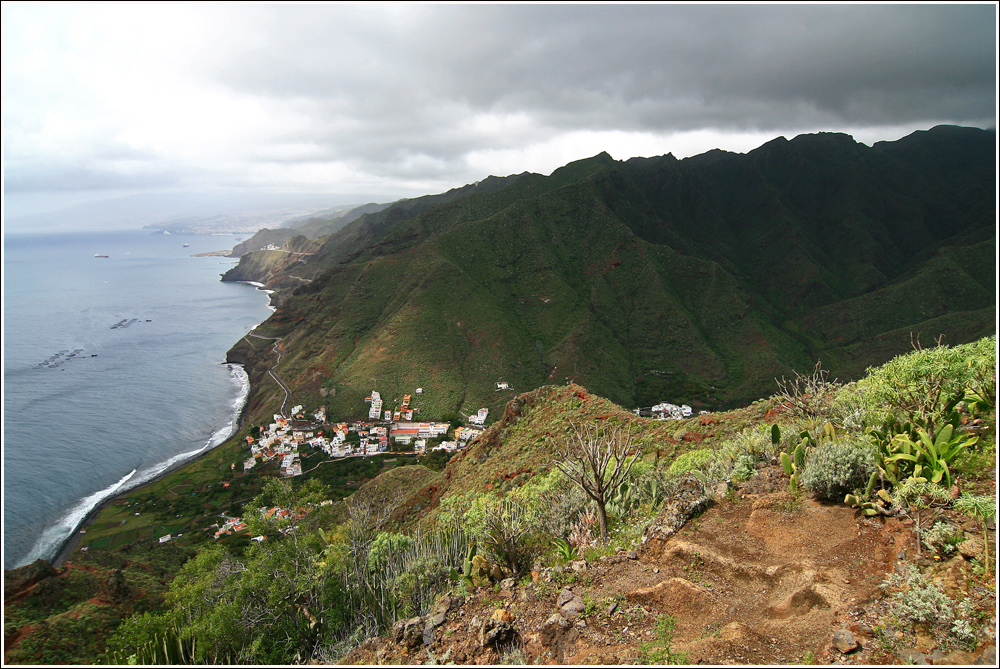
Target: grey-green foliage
{"type": "Point", "coordinates": [917, 600]}
{"type": "Point", "coordinates": [836, 468]}
{"type": "Point", "coordinates": [566, 504]}
{"type": "Point", "coordinates": [942, 537]}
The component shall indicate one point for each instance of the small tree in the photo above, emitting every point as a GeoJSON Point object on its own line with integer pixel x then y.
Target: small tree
{"type": "Point", "coordinates": [597, 458]}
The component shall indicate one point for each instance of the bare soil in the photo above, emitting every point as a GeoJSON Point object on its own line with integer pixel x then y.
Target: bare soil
{"type": "Point", "coordinates": [760, 577]}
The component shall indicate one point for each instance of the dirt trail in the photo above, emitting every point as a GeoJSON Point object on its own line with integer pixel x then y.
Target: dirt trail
{"type": "Point", "coordinates": [758, 578]}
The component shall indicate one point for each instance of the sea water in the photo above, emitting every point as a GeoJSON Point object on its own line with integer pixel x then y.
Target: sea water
{"type": "Point", "coordinates": [114, 369]}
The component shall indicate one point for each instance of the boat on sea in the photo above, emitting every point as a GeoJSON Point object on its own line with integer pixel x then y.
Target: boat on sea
{"type": "Point", "coordinates": [186, 245]}
{"type": "Point", "coordinates": [98, 255]}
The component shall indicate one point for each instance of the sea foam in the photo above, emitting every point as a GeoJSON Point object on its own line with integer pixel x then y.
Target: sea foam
{"type": "Point", "coordinates": [54, 536]}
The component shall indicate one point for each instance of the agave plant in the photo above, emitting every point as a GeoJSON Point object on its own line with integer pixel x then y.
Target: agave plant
{"type": "Point", "coordinates": [930, 456]}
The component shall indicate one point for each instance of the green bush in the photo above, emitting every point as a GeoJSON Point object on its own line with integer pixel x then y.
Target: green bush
{"type": "Point", "coordinates": [836, 468]}
{"type": "Point", "coordinates": [690, 461]}
{"type": "Point", "coordinates": [916, 385]}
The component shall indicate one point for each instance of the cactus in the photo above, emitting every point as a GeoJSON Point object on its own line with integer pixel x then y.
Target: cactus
{"type": "Point", "coordinates": [871, 484]}
{"type": "Point", "coordinates": [775, 435]}
{"type": "Point", "coordinates": [786, 463]}
{"type": "Point", "coordinates": [799, 456]}
{"type": "Point", "coordinates": [165, 648]}
{"type": "Point", "coordinates": [867, 508]}
{"type": "Point", "coordinates": [793, 484]}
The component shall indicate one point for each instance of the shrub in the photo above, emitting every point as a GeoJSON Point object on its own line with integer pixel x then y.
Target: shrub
{"type": "Point", "coordinates": [918, 601]}
{"type": "Point", "coordinates": [916, 385]}
{"type": "Point", "coordinates": [690, 461]}
{"type": "Point", "coordinates": [836, 468]}
{"type": "Point", "coordinates": [808, 395]}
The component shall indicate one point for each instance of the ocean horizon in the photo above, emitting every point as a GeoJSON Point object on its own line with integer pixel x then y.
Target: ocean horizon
{"type": "Point", "coordinates": [114, 370]}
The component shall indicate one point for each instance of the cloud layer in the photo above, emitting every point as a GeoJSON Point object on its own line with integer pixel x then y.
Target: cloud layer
{"type": "Point", "coordinates": [397, 100]}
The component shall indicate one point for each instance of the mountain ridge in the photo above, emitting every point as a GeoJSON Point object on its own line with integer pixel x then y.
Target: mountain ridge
{"type": "Point", "coordinates": [699, 279]}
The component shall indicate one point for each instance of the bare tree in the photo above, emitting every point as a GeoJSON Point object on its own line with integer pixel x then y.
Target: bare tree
{"type": "Point", "coordinates": [597, 458]}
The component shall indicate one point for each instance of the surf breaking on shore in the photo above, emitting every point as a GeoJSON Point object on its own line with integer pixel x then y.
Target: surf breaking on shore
{"type": "Point", "coordinates": [54, 539]}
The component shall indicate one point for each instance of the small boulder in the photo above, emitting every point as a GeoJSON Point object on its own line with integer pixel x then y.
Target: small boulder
{"type": "Point", "coordinates": [409, 633]}
{"type": "Point", "coordinates": [503, 615]}
{"type": "Point", "coordinates": [496, 633]}
{"type": "Point", "coordinates": [988, 656]}
{"type": "Point", "coordinates": [570, 605]}
{"type": "Point", "coordinates": [844, 641]}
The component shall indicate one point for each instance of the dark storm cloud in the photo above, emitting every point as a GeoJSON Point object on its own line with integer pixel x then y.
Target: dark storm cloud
{"type": "Point", "coordinates": [647, 67]}
{"type": "Point", "coordinates": [384, 85]}
{"type": "Point", "coordinates": [401, 99]}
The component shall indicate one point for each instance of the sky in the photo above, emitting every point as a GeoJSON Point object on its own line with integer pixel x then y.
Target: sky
{"type": "Point", "coordinates": [381, 101]}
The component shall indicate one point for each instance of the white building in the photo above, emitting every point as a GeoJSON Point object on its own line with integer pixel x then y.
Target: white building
{"type": "Point", "coordinates": [480, 417]}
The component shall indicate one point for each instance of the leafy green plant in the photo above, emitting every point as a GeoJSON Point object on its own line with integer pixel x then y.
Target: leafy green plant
{"type": "Point", "coordinates": [564, 551]}
{"type": "Point", "coordinates": [914, 496]}
{"type": "Point", "coordinates": [942, 537]}
{"type": "Point", "coordinates": [928, 456]}
{"type": "Point", "coordinates": [979, 507]}
{"type": "Point", "coordinates": [922, 387]}
{"type": "Point", "coordinates": [661, 651]}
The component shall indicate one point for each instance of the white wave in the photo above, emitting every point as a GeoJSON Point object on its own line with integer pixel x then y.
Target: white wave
{"type": "Point", "coordinates": [242, 381]}
{"type": "Point", "coordinates": [53, 537]}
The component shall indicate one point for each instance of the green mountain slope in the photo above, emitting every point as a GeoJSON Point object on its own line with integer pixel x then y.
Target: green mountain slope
{"type": "Point", "coordinates": [695, 281]}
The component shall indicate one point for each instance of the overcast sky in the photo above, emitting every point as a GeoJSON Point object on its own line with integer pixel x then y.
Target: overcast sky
{"type": "Point", "coordinates": [388, 101]}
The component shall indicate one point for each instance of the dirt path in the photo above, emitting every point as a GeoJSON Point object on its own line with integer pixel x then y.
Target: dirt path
{"type": "Point", "coordinates": [755, 579]}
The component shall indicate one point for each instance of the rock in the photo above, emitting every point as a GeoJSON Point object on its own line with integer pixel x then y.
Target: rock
{"type": "Point", "coordinates": [409, 633]}
{"type": "Point", "coordinates": [612, 608]}
{"type": "Point", "coordinates": [557, 633]}
{"type": "Point", "coordinates": [988, 656]}
{"type": "Point", "coordinates": [570, 605]}
{"type": "Point", "coordinates": [911, 656]}
{"type": "Point", "coordinates": [503, 615]}
{"type": "Point", "coordinates": [971, 548]}
{"type": "Point", "coordinates": [442, 607]}
{"type": "Point", "coordinates": [496, 573]}
{"type": "Point", "coordinates": [687, 500]}
{"type": "Point", "coordinates": [579, 565]}
{"type": "Point", "coordinates": [677, 595]}
{"type": "Point", "coordinates": [632, 555]}
{"type": "Point", "coordinates": [844, 641]}
{"type": "Point", "coordinates": [720, 491]}
{"type": "Point", "coordinates": [496, 633]}
{"type": "Point", "coordinates": [115, 587]}
{"type": "Point", "coordinates": [957, 657]}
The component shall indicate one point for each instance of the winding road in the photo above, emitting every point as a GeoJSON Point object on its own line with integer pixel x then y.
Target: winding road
{"type": "Point", "coordinates": [274, 375]}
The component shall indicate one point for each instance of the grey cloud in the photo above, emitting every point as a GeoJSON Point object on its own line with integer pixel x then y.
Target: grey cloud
{"type": "Point", "coordinates": [392, 91]}
{"type": "Point", "coordinates": [408, 80]}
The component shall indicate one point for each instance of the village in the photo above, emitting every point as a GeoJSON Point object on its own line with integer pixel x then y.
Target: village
{"type": "Point", "coordinates": [386, 431]}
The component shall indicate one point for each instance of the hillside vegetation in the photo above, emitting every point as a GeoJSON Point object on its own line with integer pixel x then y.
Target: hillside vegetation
{"type": "Point", "coordinates": [696, 281]}
{"type": "Point", "coordinates": [896, 471]}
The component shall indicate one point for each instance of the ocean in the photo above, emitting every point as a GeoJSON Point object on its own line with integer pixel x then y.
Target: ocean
{"type": "Point", "coordinates": [114, 369]}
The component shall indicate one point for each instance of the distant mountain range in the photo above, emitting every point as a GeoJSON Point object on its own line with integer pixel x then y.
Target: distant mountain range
{"type": "Point", "coordinates": [653, 279]}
